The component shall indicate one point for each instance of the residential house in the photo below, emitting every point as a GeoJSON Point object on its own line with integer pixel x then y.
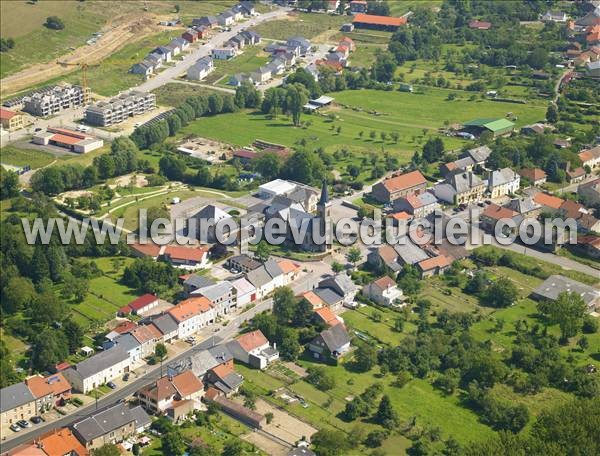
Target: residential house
{"type": "Point", "coordinates": [548, 202]}
{"type": "Point", "coordinates": [253, 349]}
{"type": "Point", "coordinates": [358, 6]}
{"type": "Point", "coordinates": [192, 314]}
{"type": "Point", "coordinates": [97, 370]}
{"type": "Point", "coordinates": [503, 182]}
{"type": "Point", "coordinates": [223, 53]}
{"type": "Point", "coordinates": [299, 41]}
{"type": "Point", "coordinates": [347, 28]}
{"type": "Point", "coordinates": [480, 25]}
{"type": "Point", "coordinates": [202, 68]}
{"type": "Point", "coordinates": [236, 410]}
{"type": "Point", "coordinates": [589, 245]}
{"type": "Point", "coordinates": [384, 258]}
{"type": "Point", "coordinates": [206, 221]}
{"type": "Point", "coordinates": [493, 214]}
{"type": "Point", "coordinates": [313, 299]}
{"type": "Point", "coordinates": [349, 42]}
{"type": "Point", "coordinates": [187, 257]}
{"type": "Point", "coordinates": [433, 266]}
{"type": "Point", "coordinates": [589, 192]}
{"type": "Point", "coordinates": [560, 143]}
{"type": "Point", "coordinates": [337, 58]}
{"type": "Point", "coordinates": [330, 344]}
{"type": "Point", "coordinates": [330, 298]}
{"type": "Point", "coordinates": [242, 263]}
{"type": "Point", "coordinates": [554, 285]}
{"type": "Point", "coordinates": [261, 280]}
{"type": "Point", "coordinates": [592, 69]}
{"type": "Point", "coordinates": [164, 52]}
{"type": "Point", "coordinates": [16, 403]}
{"type": "Point", "coordinates": [222, 295]}
{"type": "Point", "coordinates": [130, 345]}
{"type": "Point", "coordinates": [166, 392]}
{"type": "Point", "coordinates": [206, 21]}
{"type": "Point", "coordinates": [418, 205]}
{"type": "Point", "coordinates": [123, 327]}
{"type": "Point", "coordinates": [145, 67]}
{"type": "Point", "coordinates": [384, 291]}
{"type": "Point", "coordinates": [534, 129]}
{"type": "Point", "coordinates": [203, 31]}
{"type": "Point", "coordinates": [479, 155]}
{"type": "Point", "coordinates": [147, 336]}
{"type": "Point", "coordinates": [463, 188]}
{"type": "Point", "coordinates": [245, 291]}
{"type": "Point", "coordinates": [154, 60]}
{"type": "Point", "coordinates": [224, 378]}
{"type": "Point", "coordinates": [590, 157]}
{"type": "Point", "coordinates": [193, 282]}
{"type": "Point", "coordinates": [457, 166]}
{"type": "Point", "coordinates": [535, 176]}
{"type": "Point", "coordinates": [399, 186]}
{"type": "Point", "coordinates": [526, 206]}
{"type": "Point", "coordinates": [575, 175]}
{"type": "Point", "coordinates": [166, 325]}
{"type": "Point", "coordinates": [110, 425]}
{"type": "Point", "coordinates": [554, 16]}
{"type": "Point", "coordinates": [11, 120]}
{"type": "Point", "coordinates": [247, 8]}
{"type": "Point", "coordinates": [276, 273]}
{"type": "Point", "coordinates": [261, 75]}
{"type": "Point", "coordinates": [50, 391]}
{"type": "Point", "coordinates": [290, 270]}
{"type": "Point", "coordinates": [238, 79]}
{"type": "Point", "coordinates": [251, 37]}
{"type": "Point", "coordinates": [59, 442]}
{"type": "Point", "coordinates": [342, 285]}
{"type": "Point", "coordinates": [190, 35]}
{"type": "Point", "coordinates": [140, 306]}
{"type": "Point", "coordinates": [326, 316]}
{"type": "Point", "coordinates": [226, 19]}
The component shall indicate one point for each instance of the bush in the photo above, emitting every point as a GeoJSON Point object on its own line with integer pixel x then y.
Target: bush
{"type": "Point", "coordinates": [54, 23]}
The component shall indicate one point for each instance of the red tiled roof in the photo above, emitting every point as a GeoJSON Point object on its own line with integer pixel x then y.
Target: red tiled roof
{"type": "Point", "coordinates": [252, 340]}
{"type": "Point", "coordinates": [150, 249]}
{"type": "Point", "coordinates": [572, 209]}
{"type": "Point", "coordinates": [547, 200]}
{"type": "Point", "coordinates": [589, 154]}
{"type": "Point", "coordinates": [187, 383]}
{"type": "Point", "coordinates": [64, 139]}
{"type": "Point", "coordinates": [288, 266]}
{"type": "Point", "coordinates": [440, 261]}
{"type": "Point", "coordinates": [43, 386]}
{"type": "Point", "coordinates": [404, 181]}
{"type": "Point", "coordinates": [190, 308]}
{"type": "Point", "coordinates": [371, 19]}
{"type": "Point", "coordinates": [124, 327]}
{"type": "Point", "coordinates": [384, 282]}
{"type": "Point", "coordinates": [577, 172]}
{"type": "Point", "coordinates": [223, 370]}
{"type": "Point", "coordinates": [313, 298]}
{"type": "Point", "coordinates": [5, 114]}
{"type": "Point", "coordinates": [480, 25]}
{"type": "Point", "coordinates": [592, 240]}
{"type": "Point", "coordinates": [498, 212]}
{"type": "Point", "coordinates": [62, 442]}
{"type": "Point", "coordinates": [145, 333]}
{"type": "Point", "coordinates": [401, 215]}
{"type": "Point", "coordinates": [327, 316]}
{"type": "Point", "coordinates": [243, 153]}
{"type": "Point", "coordinates": [533, 174]}
{"type": "Point", "coordinates": [186, 253]}
{"type": "Point", "coordinates": [141, 302]}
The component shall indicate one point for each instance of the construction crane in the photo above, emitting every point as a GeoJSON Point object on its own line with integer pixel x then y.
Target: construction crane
{"type": "Point", "coordinates": [84, 82]}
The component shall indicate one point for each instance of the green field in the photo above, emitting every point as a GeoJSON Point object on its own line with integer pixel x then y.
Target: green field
{"type": "Point", "coordinates": [16, 156]}
{"type": "Point", "coordinates": [311, 26]}
{"type": "Point", "coordinates": [174, 94]}
{"type": "Point", "coordinates": [249, 60]}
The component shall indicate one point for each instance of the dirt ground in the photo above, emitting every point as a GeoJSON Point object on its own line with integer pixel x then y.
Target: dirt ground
{"type": "Point", "coordinates": [117, 33]}
{"type": "Point", "coordinates": [124, 181]}
{"type": "Point", "coordinates": [284, 426]}
{"type": "Point", "coordinates": [269, 446]}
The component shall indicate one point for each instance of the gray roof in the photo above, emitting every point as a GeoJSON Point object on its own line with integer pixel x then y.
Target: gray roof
{"type": "Point", "coordinates": [126, 342]}
{"type": "Point", "coordinates": [165, 323]}
{"type": "Point", "coordinates": [556, 284]}
{"type": "Point", "coordinates": [258, 277]}
{"type": "Point", "coordinates": [197, 281]}
{"type": "Point", "coordinates": [464, 163]}
{"type": "Point", "coordinates": [14, 396]}
{"type": "Point", "coordinates": [409, 252]}
{"type": "Point", "coordinates": [523, 205]}
{"type": "Point", "coordinates": [273, 268]}
{"type": "Point", "coordinates": [427, 198]}
{"type": "Point", "coordinates": [340, 283]}
{"type": "Point", "coordinates": [328, 296]}
{"type": "Point", "coordinates": [216, 291]}
{"type": "Point", "coordinates": [479, 154]}
{"type": "Point", "coordinates": [100, 362]}
{"type": "Point", "coordinates": [335, 337]}
{"type": "Point", "coordinates": [105, 421]}
{"type": "Point", "coordinates": [501, 177]}
{"type": "Point", "coordinates": [140, 416]}
{"type": "Point", "coordinates": [464, 182]}
{"type": "Point", "coordinates": [246, 261]}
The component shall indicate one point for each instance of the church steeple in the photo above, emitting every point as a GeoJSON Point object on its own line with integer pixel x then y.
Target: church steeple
{"type": "Point", "coordinates": [324, 194]}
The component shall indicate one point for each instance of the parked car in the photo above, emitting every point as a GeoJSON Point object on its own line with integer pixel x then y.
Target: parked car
{"type": "Point", "coordinates": [24, 424]}
{"type": "Point", "coordinates": [15, 428]}
{"type": "Point", "coordinates": [111, 385]}
{"type": "Point", "coordinates": [126, 377]}
{"type": "Point", "coordinates": [36, 419]}
{"type": "Point", "coordinates": [38, 129]}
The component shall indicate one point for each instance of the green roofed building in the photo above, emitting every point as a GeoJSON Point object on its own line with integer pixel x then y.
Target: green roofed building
{"type": "Point", "coordinates": [498, 127]}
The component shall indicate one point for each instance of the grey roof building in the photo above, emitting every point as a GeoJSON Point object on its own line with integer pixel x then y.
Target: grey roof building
{"type": "Point", "coordinates": [273, 268]}
{"type": "Point", "coordinates": [15, 396]}
{"type": "Point", "coordinates": [479, 154]}
{"type": "Point", "coordinates": [554, 285]}
{"type": "Point", "coordinates": [195, 281]}
{"type": "Point", "coordinates": [409, 253]}
{"type": "Point", "coordinates": [329, 297]}
{"type": "Point", "coordinates": [165, 324]}
{"type": "Point", "coordinates": [259, 277]}
{"type": "Point", "coordinates": [100, 362]}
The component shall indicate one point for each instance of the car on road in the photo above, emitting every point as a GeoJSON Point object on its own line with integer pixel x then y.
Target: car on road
{"type": "Point", "coordinates": [36, 419]}
{"type": "Point", "coordinates": [111, 385]}
{"type": "Point", "coordinates": [83, 128]}
{"type": "Point", "coordinates": [24, 424]}
{"type": "Point", "coordinates": [38, 129]}
{"type": "Point", "coordinates": [15, 428]}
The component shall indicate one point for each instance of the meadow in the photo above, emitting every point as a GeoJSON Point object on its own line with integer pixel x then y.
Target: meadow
{"type": "Point", "coordinates": [17, 156]}
{"type": "Point", "coordinates": [315, 27]}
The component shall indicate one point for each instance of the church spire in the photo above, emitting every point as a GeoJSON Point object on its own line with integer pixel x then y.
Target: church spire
{"type": "Point", "coordinates": [324, 194]}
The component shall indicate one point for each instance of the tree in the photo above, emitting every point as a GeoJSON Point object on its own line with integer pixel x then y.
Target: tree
{"type": "Point", "coordinates": [233, 447]}
{"type": "Point", "coordinates": [354, 255]}
{"type": "Point", "coordinates": [583, 343]}
{"type": "Point", "coordinates": [284, 304]}
{"type": "Point", "coordinates": [54, 23]}
{"type": "Point", "coordinates": [337, 267]}
{"type": "Point", "coordinates": [173, 443]}
{"type": "Point", "coordinates": [330, 442]}
{"type": "Point", "coordinates": [106, 450]}
{"type": "Point", "coordinates": [269, 417]}
{"type": "Point", "coordinates": [568, 310]}
{"type": "Point", "coordinates": [17, 294]}
{"type": "Point", "coordinates": [386, 415]}
{"type": "Point", "coordinates": [322, 378]}
{"type": "Point", "coordinates": [160, 351]}
{"type": "Point", "coordinates": [304, 166]}
{"type": "Point", "coordinates": [263, 251]}
{"type": "Point", "coordinates": [268, 165]}
{"type": "Point", "coordinates": [384, 67]}
{"type": "Point", "coordinates": [538, 58]}
{"type": "Point", "coordinates": [74, 334]}
{"type": "Point", "coordinates": [49, 347]}
{"type": "Point", "coordinates": [9, 184]}
{"type": "Point", "coordinates": [365, 357]}
{"type": "Point", "coordinates": [296, 98]}
{"type": "Point", "coordinates": [448, 381]}
{"type": "Point", "coordinates": [156, 212]}
{"type": "Point", "coordinates": [215, 103]}
{"type": "Point", "coordinates": [433, 149]}
{"type": "Point", "coordinates": [501, 293]}
{"type": "Point", "coordinates": [173, 168]}
{"type": "Point", "coordinates": [552, 113]}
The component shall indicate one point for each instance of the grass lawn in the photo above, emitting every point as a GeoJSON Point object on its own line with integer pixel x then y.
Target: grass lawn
{"type": "Point", "coordinates": [16, 156]}
{"type": "Point", "coordinates": [174, 94]}
{"type": "Point", "coordinates": [383, 332]}
{"type": "Point", "coordinates": [249, 60]}
{"type": "Point", "coordinates": [308, 25]}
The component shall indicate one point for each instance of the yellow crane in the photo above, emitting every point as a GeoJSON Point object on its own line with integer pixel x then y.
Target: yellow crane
{"type": "Point", "coordinates": [84, 82]}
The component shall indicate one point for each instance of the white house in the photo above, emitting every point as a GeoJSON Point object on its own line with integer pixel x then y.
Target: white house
{"type": "Point", "coordinates": [246, 292]}
{"type": "Point", "coordinates": [98, 370]}
{"type": "Point", "coordinates": [274, 188]}
{"type": "Point", "coordinates": [261, 280]}
{"type": "Point", "coordinates": [503, 182]}
{"type": "Point", "coordinates": [253, 349]}
{"type": "Point", "coordinates": [223, 53]}
{"type": "Point", "coordinates": [384, 291]}
{"type": "Point", "coordinates": [191, 315]}
{"type": "Point", "coordinates": [202, 68]}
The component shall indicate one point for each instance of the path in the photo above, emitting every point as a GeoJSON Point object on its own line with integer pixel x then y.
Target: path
{"type": "Point", "coordinates": [208, 86]}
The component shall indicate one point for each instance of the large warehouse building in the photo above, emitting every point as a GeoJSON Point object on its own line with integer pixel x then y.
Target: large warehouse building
{"type": "Point", "coordinates": [371, 21]}
{"type": "Point", "coordinates": [75, 141]}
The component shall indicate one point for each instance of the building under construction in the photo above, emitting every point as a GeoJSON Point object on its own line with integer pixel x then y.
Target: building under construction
{"type": "Point", "coordinates": [119, 108]}
{"type": "Point", "coordinates": [55, 99]}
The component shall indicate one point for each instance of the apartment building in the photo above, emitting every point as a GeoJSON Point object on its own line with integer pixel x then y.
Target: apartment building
{"type": "Point", "coordinates": [120, 108]}
{"type": "Point", "coordinates": [55, 100]}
